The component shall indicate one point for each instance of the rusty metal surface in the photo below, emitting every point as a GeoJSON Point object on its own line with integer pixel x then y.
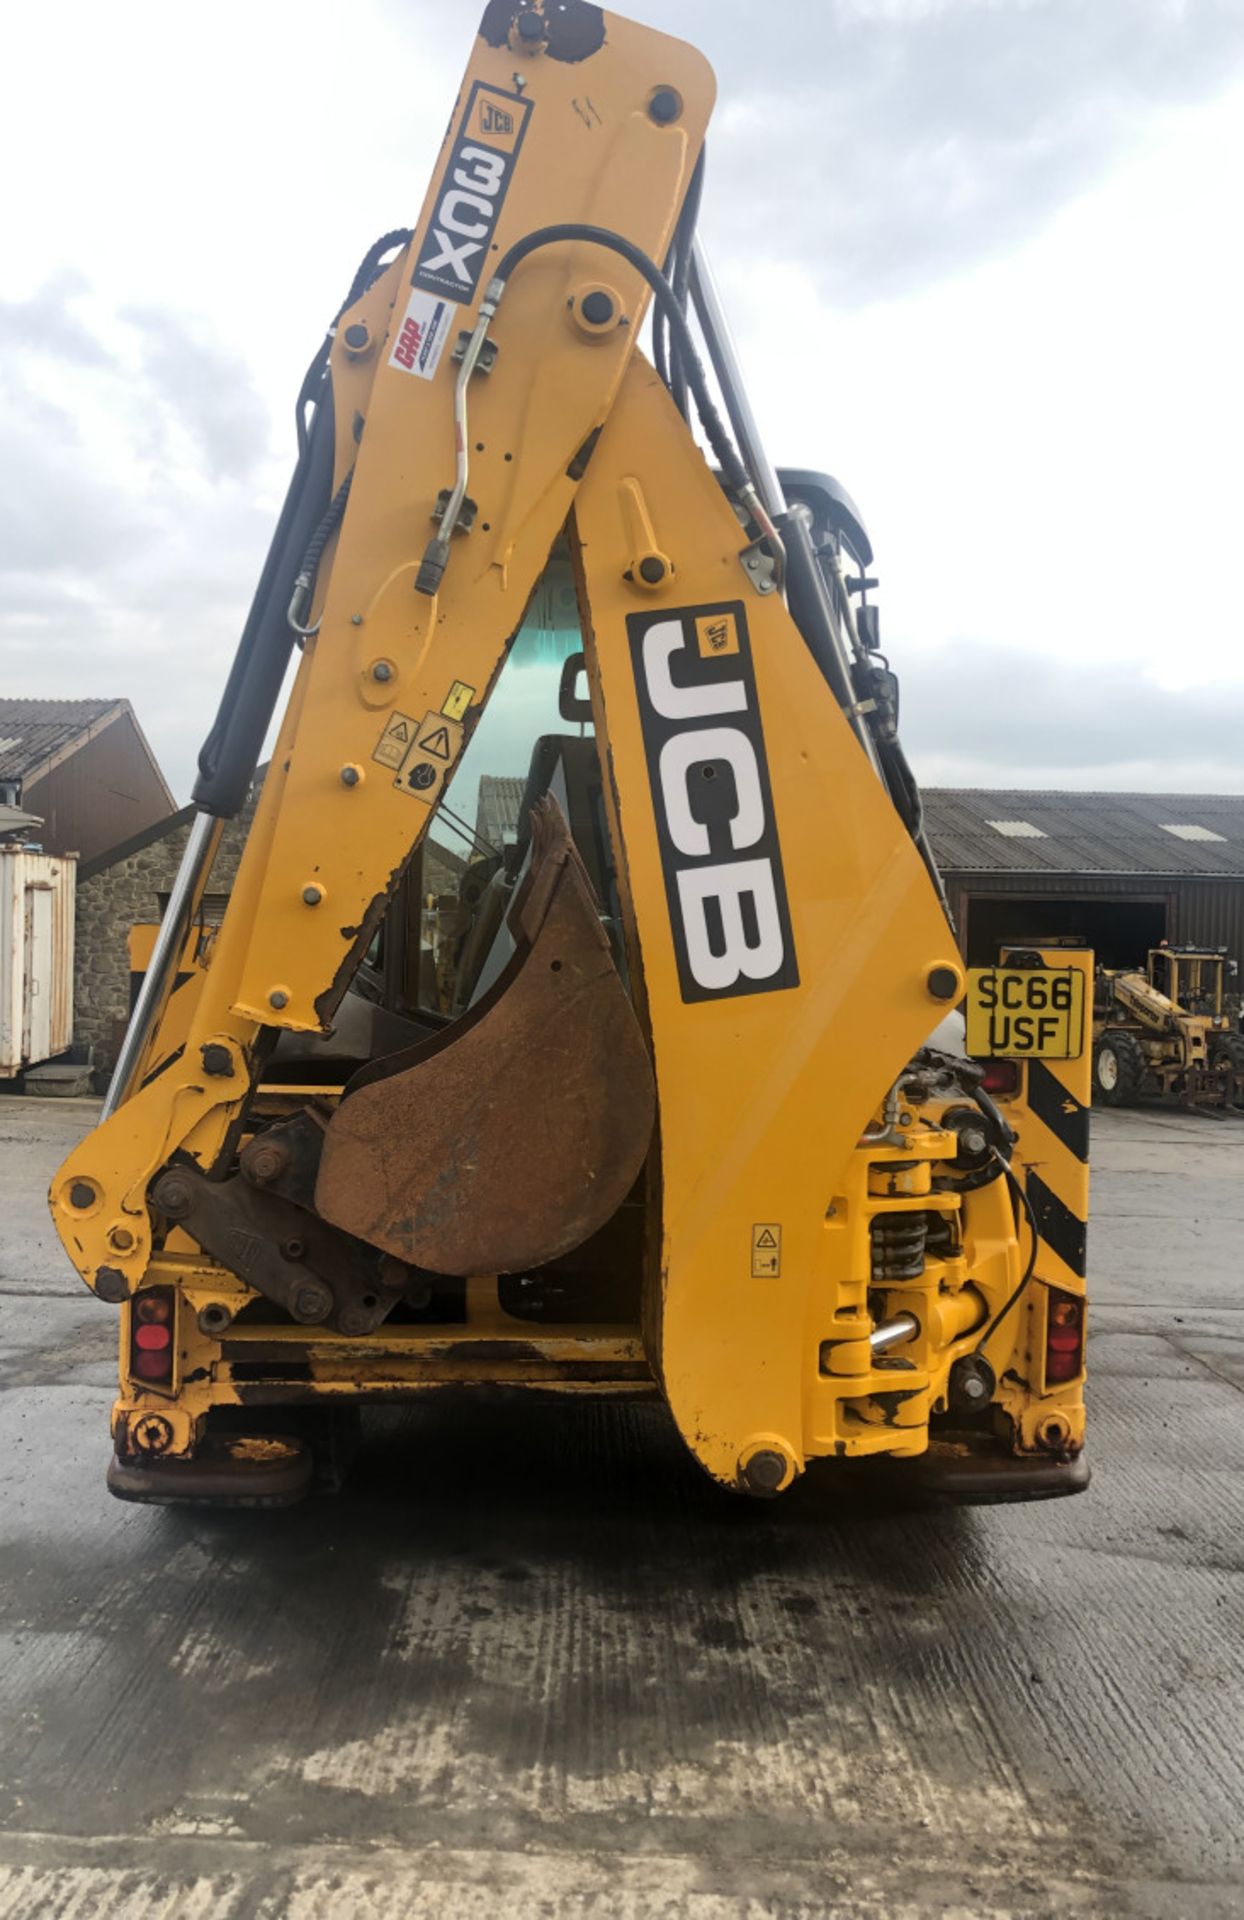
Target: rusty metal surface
{"type": "Point", "coordinates": [509, 1140]}
{"type": "Point", "coordinates": [316, 1273]}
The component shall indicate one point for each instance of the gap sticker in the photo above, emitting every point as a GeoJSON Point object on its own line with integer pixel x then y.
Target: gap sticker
{"type": "Point", "coordinates": [453, 253]}
{"type": "Point", "coordinates": [712, 801]}
{"type": "Point", "coordinates": [422, 335]}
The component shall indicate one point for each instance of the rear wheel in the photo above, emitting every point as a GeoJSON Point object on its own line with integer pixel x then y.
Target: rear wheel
{"type": "Point", "coordinates": [1226, 1056]}
{"type": "Point", "coordinates": [1118, 1068]}
{"type": "Point", "coordinates": [1227, 1050]}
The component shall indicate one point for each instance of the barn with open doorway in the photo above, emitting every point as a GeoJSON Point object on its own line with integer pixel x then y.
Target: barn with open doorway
{"type": "Point", "coordinates": [1119, 871]}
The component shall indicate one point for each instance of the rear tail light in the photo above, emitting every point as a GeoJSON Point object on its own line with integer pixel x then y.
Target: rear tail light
{"type": "Point", "coordinates": [1001, 1077]}
{"type": "Point", "coordinates": [1064, 1338]}
{"type": "Point", "coordinates": [152, 1321]}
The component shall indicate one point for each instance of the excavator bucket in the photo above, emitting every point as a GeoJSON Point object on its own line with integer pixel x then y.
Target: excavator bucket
{"type": "Point", "coordinates": [514, 1137]}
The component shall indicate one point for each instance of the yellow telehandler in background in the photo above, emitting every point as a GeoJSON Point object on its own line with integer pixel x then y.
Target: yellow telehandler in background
{"type": "Point", "coordinates": [1166, 1032]}
{"type": "Point", "coordinates": [645, 1088]}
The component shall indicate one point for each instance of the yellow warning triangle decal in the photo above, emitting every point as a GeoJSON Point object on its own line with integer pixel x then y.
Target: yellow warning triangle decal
{"type": "Point", "coordinates": [766, 1239]}
{"type": "Point", "coordinates": [437, 743]}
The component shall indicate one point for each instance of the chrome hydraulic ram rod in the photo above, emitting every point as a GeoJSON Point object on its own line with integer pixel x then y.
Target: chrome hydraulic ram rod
{"type": "Point", "coordinates": [807, 593]}
{"type": "Point", "coordinates": [183, 904]}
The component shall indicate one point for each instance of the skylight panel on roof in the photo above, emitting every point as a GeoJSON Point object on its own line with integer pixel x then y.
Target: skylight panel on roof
{"type": "Point", "coordinates": [14, 740]}
{"type": "Point", "coordinates": [1193, 832]}
{"type": "Point", "coordinates": [1017, 830]}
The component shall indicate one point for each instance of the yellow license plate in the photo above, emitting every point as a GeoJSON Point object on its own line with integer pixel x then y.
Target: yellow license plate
{"type": "Point", "coordinates": [1025, 1013]}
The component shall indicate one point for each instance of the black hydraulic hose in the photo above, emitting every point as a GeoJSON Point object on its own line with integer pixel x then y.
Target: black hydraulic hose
{"type": "Point", "coordinates": [368, 268]}
{"type": "Point", "coordinates": [681, 278]}
{"type": "Point", "coordinates": [304, 585]}
{"type": "Point", "coordinates": [660, 341]}
{"type": "Point", "coordinates": [724, 449]}
{"type": "Point", "coordinates": [1029, 1268]}
{"type": "Point", "coordinates": [230, 754]}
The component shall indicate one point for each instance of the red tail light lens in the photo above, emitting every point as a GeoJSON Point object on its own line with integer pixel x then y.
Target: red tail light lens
{"type": "Point", "coordinates": [1064, 1338]}
{"type": "Point", "coordinates": [151, 1336]}
{"type": "Point", "coordinates": [1001, 1077]}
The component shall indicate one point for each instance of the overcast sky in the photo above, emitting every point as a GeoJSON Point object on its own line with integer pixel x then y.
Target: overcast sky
{"type": "Point", "coordinates": [1007, 232]}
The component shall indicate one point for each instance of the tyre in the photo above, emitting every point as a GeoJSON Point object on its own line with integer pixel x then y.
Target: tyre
{"type": "Point", "coordinates": [1227, 1050]}
{"type": "Point", "coordinates": [1118, 1068]}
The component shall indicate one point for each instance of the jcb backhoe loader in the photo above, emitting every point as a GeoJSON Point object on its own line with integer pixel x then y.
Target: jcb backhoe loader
{"type": "Point", "coordinates": [640, 1094]}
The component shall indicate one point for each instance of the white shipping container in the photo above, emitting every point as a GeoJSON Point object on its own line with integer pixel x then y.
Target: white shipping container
{"type": "Point", "coordinates": [36, 956]}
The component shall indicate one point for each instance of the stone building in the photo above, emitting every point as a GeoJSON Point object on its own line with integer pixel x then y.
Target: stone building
{"type": "Point", "coordinates": [128, 885]}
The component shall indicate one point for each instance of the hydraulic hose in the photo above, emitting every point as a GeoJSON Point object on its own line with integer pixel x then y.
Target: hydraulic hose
{"type": "Point", "coordinates": [682, 342]}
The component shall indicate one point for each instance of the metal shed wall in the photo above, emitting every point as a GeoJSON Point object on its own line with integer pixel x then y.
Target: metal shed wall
{"type": "Point", "coordinates": [1200, 911]}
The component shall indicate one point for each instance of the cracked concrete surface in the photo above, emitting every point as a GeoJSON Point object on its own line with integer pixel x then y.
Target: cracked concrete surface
{"type": "Point", "coordinates": [534, 1663]}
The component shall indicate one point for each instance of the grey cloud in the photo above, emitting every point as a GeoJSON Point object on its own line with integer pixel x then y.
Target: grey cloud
{"type": "Point", "coordinates": [887, 146]}
{"type": "Point", "coordinates": [975, 716]}
{"type": "Point", "coordinates": [129, 538]}
{"type": "Point", "coordinates": [45, 324]}
{"type": "Point", "coordinates": [208, 390]}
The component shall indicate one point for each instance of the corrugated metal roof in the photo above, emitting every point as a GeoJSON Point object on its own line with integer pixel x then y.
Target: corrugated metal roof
{"type": "Point", "coordinates": [1141, 833]}
{"type": "Point", "coordinates": [32, 730]}
{"type": "Point", "coordinates": [496, 815]}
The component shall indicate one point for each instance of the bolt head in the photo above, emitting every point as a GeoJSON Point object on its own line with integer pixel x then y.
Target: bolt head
{"type": "Point", "coordinates": [350, 776]}
{"type": "Point", "coordinates": [278, 998]}
{"type": "Point", "coordinates": [122, 1239]}
{"type": "Point", "coordinates": [81, 1195]}
{"type": "Point", "coordinates": [357, 336]}
{"type": "Point", "coordinates": [764, 1472]}
{"type": "Point", "coordinates": [312, 895]}
{"type": "Point", "coordinates": [312, 1303]}
{"type": "Point", "coordinates": [382, 671]}
{"type": "Point", "coordinates": [531, 28]}
{"type": "Point", "coordinates": [217, 1060]}
{"type": "Point", "coordinates": [597, 308]}
{"type": "Point", "coordinates": [356, 619]}
{"type": "Point", "coordinates": [942, 983]}
{"type": "Point", "coordinates": [266, 1161]}
{"type": "Point", "coordinates": [111, 1285]}
{"type": "Point", "coordinates": [173, 1196]}
{"type": "Point", "coordinates": [665, 106]}
{"type": "Point", "coordinates": [652, 570]}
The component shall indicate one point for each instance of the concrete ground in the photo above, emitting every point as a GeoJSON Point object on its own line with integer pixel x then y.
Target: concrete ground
{"type": "Point", "coordinates": [536, 1665]}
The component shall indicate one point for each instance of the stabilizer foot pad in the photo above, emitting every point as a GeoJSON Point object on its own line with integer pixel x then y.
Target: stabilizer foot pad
{"type": "Point", "coordinates": [245, 1471]}
{"type": "Point", "coordinates": [968, 1477]}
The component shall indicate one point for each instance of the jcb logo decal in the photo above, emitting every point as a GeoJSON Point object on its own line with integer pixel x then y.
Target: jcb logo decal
{"type": "Point", "coordinates": [714, 806]}
{"type": "Point", "coordinates": [454, 251]}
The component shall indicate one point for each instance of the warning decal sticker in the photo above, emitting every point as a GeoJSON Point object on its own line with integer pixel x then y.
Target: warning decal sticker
{"type": "Point", "coordinates": [766, 1251]}
{"type": "Point", "coordinates": [396, 740]}
{"type": "Point", "coordinates": [457, 700]}
{"type": "Point", "coordinates": [434, 746]}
